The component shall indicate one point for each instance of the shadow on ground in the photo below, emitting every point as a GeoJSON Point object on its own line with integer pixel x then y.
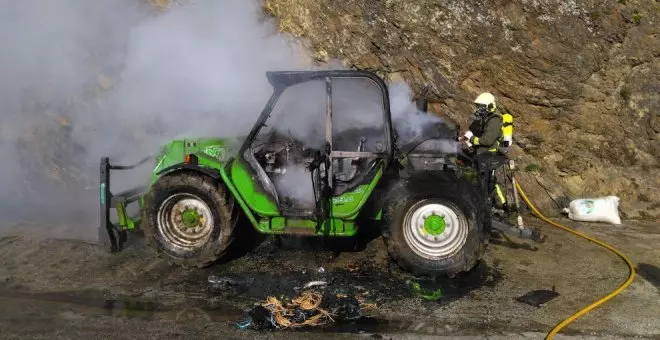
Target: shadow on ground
{"type": "Point", "coordinates": [650, 273]}
{"type": "Point", "coordinates": [504, 240]}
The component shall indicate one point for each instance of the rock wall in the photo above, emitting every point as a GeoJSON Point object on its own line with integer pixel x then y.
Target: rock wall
{"type": "Point", "coordinates": [582, 78]}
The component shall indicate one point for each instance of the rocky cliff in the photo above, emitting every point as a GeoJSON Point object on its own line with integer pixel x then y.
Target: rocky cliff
{"type": "Point", "coordinates": [582, 78]}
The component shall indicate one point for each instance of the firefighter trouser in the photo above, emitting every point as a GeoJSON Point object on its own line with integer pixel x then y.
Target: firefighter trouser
{"type": "Point", "coordinates": [498, 194]}
{"type": "Point", "coordinates": [494, 166]}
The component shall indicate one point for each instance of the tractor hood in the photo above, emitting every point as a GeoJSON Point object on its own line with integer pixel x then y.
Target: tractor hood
{"type": "Point", "coordinates": [218, 149]}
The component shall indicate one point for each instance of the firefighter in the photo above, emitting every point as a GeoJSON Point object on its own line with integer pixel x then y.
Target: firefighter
{"type": "Point", "coordinates": [490, 134]}
{"type": "Point", "coordinates": [485, 131]}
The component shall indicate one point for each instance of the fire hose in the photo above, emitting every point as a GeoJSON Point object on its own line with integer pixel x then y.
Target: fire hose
{"type": "Point", "coordinates": [600, 301]}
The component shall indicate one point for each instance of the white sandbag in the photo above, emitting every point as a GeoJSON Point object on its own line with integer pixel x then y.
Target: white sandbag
{"type": "Point", "coordinates": [601, 209]}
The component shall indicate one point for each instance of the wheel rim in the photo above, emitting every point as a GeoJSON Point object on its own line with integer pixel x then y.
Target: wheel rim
{"type": "Point", "coordinates": [185, 221]}
{"type": "Point", "coordinates": [434, 230]}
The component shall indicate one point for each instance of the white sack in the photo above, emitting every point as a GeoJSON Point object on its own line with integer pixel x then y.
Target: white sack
{"type": "Point", "coordinates": [601, 209]}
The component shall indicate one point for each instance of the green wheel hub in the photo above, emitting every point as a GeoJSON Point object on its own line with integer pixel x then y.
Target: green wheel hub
{"type": "Point", "coordinates": [435, 230]}
{"type": "Point", "coordinates": [434, 225]}
{"type": "Point", "coordinates": [185, 221]}
{"type": "Point", "coordinates": [190, 218]}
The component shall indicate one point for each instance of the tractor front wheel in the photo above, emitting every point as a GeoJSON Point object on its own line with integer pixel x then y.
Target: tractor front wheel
{"type": "Point", "coordinates": [189, 217]}
{"type": "Point", "coordinates": [434, 227]}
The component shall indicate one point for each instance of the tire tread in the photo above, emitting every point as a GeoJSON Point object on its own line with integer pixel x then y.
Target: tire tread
{"type": "Point", "coordinates": [402, 195]}
{"type": "Point", "coordinates": [226, 207]}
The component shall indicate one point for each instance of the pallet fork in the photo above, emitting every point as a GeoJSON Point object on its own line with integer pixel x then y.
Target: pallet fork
{"type": "Point", "coordinates": [114, 235]}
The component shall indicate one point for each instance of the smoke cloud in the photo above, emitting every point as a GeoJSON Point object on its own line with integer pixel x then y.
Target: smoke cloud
{"type": "Point", "coordinates": [413, 125]}
{"type": "Point", "coordinates": [80, 80]}
{"type": "Point", "coordinates": [84, 79]}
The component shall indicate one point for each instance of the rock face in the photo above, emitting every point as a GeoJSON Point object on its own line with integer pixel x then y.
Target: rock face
{"type": "Point", "coordinates": [582, 78]}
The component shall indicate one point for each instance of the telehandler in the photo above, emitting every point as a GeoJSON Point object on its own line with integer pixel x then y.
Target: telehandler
{"type": "Point", "coordinates": [322, 156]}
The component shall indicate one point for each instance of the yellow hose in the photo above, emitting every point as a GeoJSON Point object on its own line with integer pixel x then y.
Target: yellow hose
{"type": "Point", "coordinates": [600, 301]}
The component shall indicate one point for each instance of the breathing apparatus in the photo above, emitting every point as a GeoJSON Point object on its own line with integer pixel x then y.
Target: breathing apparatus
{"type": "Point", "coordinates": [481, 112]}
{"type": "Point", "coordinates": [485, 106]}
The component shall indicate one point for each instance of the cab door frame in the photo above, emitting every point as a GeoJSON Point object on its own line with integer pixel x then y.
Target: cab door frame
{"type": "Point", "coordinates": [280, 81]}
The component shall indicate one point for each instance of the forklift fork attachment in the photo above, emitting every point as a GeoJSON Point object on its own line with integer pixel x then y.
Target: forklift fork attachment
{"type": "Point", "coordinates": [111, 234]}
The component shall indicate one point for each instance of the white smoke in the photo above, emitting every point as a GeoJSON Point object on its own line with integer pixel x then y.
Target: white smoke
{"type": "Point", "coordinates": [84, 79]}
{"type": "Point", "coordinates": [412, 124]}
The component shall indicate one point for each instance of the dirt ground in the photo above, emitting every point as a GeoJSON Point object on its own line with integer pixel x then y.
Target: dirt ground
{"type": "Point", "coordinates": [59, 289]}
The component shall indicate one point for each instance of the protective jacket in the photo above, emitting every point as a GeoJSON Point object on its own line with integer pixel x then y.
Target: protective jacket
{"type": "Point", "coordinates": [487, 133]}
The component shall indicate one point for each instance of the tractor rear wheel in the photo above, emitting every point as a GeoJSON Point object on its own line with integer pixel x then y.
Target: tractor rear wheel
{"type": "Point", "coordinates": [434, 226]}
{"type": "Point", "coordinates": [189, 218]}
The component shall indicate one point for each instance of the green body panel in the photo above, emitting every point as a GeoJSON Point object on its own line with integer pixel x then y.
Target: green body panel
{"type": "Point", "coordinates": [283, 225]}
{"type": "Point", "coordinates": [237, 197]}
{"type": "Point", "coordinates": [259, 208]}
{"type": "Point", "coordinates": [257, 201]}
{"type": "Point", "coordinates": [348, 204]}
{"type": "Point", "coordinates": [212, 152]}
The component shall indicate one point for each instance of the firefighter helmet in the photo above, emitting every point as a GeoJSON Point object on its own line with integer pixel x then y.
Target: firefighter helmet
{"type": "Point", "coordinates": [486, 99]}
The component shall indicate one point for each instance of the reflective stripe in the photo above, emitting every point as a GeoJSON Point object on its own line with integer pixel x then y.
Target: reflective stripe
{"type": "Point", "coordinates": [475, 140]}
{"type": "Point", "coordinates": [495, 147]}
{"type": "Point", "coordinates": [500, 194]}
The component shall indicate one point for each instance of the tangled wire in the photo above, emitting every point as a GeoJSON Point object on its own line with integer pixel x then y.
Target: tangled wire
{"type": "Point", "coordinates": [302, 311]}
{"type": "Point", "coordinates": [308, 309]}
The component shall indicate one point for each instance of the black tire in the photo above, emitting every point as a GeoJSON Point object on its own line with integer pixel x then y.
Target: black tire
{"type": "Point", "coordinates": [219, 233]}
{"type": "Point", "coordinates": [469, 206]}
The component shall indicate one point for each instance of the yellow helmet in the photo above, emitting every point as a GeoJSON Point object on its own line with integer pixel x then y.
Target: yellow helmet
{"type": "Point", "coordinates": [486, 99]}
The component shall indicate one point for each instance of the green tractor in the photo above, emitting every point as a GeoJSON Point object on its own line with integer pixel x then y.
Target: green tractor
{"type": "Point", "coordinates": [322, 157]}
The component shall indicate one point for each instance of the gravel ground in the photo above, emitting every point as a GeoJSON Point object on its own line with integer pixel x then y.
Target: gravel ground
{"type": "Point", "coordinates": [62, 289]}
